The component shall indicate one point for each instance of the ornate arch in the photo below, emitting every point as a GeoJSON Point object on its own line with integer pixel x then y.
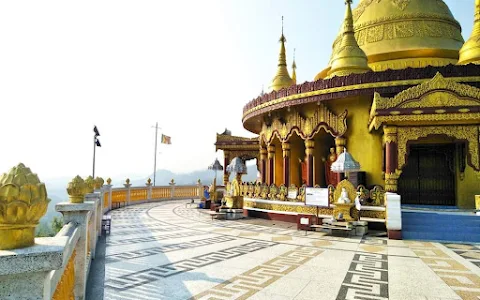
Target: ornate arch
{"type": "Point", "coordinates": [307, 127]}
{"type": "Point", "coordinates": [468, 134]}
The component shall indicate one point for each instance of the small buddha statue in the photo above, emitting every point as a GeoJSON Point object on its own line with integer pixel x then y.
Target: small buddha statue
{"type": "Point", "coordinates": [343, 199]}
{"type": "Point", "coordinates": [236, 185]}
{"type": "Point", "coordinates": [331, 177]}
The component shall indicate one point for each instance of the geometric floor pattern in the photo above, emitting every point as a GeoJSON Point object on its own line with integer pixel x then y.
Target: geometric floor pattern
{"type": "Point", "coordinates": [164, 250]}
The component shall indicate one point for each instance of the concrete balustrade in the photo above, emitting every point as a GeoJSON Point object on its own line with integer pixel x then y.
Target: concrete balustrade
{"type": "Point", "coordinates": [58, 267]}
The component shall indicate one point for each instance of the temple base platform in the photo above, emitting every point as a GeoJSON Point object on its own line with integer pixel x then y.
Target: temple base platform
{"type": "Point", "coordinates": [232, 213]}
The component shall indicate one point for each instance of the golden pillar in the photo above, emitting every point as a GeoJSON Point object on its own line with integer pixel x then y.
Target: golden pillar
{"type": "Point", "coordinates": [271, 164]}
{"type": "Point", "coordinates": [391, 158]}
{"type": "Point", "coordinates": [263, 164]}
{"type": "Point", "coordinates": [309, 147]}
{"type": "Point", "coordinates": [286, 163]}
{"type": "Point", "coordinates": [226, 162]}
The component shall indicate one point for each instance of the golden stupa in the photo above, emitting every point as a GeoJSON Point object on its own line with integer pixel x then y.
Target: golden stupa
{"type": "Point", "coordinates": [396, 34]}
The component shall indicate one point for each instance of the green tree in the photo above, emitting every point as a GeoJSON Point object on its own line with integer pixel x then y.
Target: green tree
{"type": "Point", "coordinates": [57, 224]}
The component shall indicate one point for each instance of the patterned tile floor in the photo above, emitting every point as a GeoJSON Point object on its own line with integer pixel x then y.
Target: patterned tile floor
{"type": "Point", "coordinates": [167, 251]}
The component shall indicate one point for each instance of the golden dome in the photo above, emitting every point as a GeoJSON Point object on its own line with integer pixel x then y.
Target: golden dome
{"type": "Point", "coordinates": [395, 34]}
{"type": "Point", "coordinates": [470, 52]}
{"type": "Point", "coordinates": [348, 58]}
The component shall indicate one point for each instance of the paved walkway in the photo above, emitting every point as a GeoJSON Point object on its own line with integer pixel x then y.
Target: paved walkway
{"type": "Point", "coordinates": [167, 251]}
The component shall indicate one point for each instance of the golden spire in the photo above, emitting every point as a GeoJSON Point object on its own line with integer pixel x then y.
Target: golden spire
{"type": "Point", "coordinates": [282, 79]}
{"type": "Point", "coordinates": [294, 69]}
{"type": "Point", "coordinates": [349, 57]}
{"type": "Point", "coordinates": [470, 52]}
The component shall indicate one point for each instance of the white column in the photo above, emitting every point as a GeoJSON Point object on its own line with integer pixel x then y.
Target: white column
{"type": "Point", "coordinates": [79, 213]}
{"type": "Point", "coordinates": [149, 191]}
{"type": "Point", "coordinates": [128, 193]}
{"type": "Point", "coordinates": [393, 218]}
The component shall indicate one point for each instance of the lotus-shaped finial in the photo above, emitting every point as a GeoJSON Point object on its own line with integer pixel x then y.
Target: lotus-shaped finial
{"type": "Point", "coordinates": [23, 202]}
{"type": "Point", "coordinates": [127, 181]}
{"type": "Point", "coordinates": [76, 189]}
{"type": "Point", "coordinates": [99, 183]}
{"type": "Point", "coordinates": [149, 181]}
{"type": "Point", "coordinates": [90, 182]}
{"type": "Point", "coordinates": [109, 181]}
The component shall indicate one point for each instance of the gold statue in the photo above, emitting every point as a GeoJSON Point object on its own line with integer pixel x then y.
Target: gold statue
{"type": "Point", "coordinates": [236, 185]}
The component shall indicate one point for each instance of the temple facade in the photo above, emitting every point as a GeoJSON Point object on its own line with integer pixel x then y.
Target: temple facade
{"type": "Point", "coordinates": [401, 93]}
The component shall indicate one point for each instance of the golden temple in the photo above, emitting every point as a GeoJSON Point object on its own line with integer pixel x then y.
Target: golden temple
{"type": "Point", "coordinates": [401, 93]}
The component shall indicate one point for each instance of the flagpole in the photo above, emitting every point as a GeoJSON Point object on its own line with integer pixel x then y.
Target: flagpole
{"type": "Point", "coordinates": [155, 156]}
{"type": "Point", "coordinates": [94, 148]}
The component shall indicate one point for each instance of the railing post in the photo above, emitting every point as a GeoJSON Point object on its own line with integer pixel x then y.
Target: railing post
{"type": "Point", "coordinates": [97, 219]}
{"type": "Point", "coordinates": [79, 213]}
{"type": "Point", "coordinates": [200, 189]}
{"type": "Point", "coordinates": [127, 185]}
{"type": "Point", "coordinates": [108, 189]}
{"type": "Point", "coordinates": [149, 189]}
{"type": "Point", "coordinates": [172, 188]}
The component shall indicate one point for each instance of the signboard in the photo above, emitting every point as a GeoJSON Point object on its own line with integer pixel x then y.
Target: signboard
{"type": "Point", "coordinates": [292, 194]}
{"type": "Point", "coordinates": [304, 221]}
{"type": "Point", "coordinates": [316, 197]}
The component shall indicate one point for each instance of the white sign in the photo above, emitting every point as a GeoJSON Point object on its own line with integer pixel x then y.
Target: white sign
{"type": "Point", "coordinates": [304, 221]}
{"type": "Point", "coordinates": [316, 197]}
{"type": "Point", "coordinates": [292, 194]}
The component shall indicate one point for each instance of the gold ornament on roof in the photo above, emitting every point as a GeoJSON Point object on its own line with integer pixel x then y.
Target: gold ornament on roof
{"type": "Point", "coordinates": [349, 58]}
{"type": "Point", "coordinates": [99, 183]}
{"type": "Point", "coordinates": [470, 52]}
{"type": "Point", "coordinates": [76, 189]}
{"type": "Point", "coordinates": [109, 181]}
{"type": "Point", "coordinates": [23, 201]}
{"type": "Point", "coordinates": [282, 78]}
{"type": "Point", "coordinates": [90, 182]}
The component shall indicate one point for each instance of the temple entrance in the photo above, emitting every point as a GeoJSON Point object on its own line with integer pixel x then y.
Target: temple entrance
{"type": "Point", "coordinates": [428, 178]}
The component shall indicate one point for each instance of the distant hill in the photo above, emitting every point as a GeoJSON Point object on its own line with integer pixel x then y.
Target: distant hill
{"type": "Point", "coordinates": [163, 177]}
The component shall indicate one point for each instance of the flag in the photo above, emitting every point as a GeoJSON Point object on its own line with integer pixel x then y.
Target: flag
{"type": "Point", "coordinates": [96, 131]}
{"type": "Point", "coordinates": [166, 140]}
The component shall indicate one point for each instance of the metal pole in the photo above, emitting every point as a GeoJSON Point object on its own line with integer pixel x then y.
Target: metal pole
{"type": "Point", "coordinates": [155, 156]}
{"type": "Point", "coordinates": [94, 148]}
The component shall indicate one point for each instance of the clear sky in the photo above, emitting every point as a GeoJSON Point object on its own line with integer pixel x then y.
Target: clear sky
{"type": "Point", "coordinates": [66, 66]}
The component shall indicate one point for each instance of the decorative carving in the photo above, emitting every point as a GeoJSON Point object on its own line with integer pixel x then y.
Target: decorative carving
{"type": "Point", "coordinates": [383, 81]}
{"type": "Point", "coordinates": [282, 194]}
{"type": "Point", "coordinates": [390, 134]}
{"type": "Point", "coordinates": [273, 192]}
{"type": "Point", "coordinates": [76, 189]}
{"type": "Point", "coordinates": [322, 118]}
{"type": "Point", "coordinates": [90, 182]}
{"type": "Point", "coordinates": [352, 192]}
{"type": "Point", "coordinates": [301, 193]}
{"type": "Point", "coordinates": [99, 183]}
{"type": "Point", "coordinates": [258, 190]}
{"type": "Point", "coordinates": [23, 202]}
{"type": "Point", "coordinates": [466, 133]}
{"type": "Point", "coordinates": [264, 191]}
{"type": "Point", "coordinates": [391, 181]}
{"type": "Point", "coordinates": [331, 194]}
{"type": "Point", "coordinates": [292, 189]}
{"type": "Point", "coordinates": [377, 195]}
{"type": "Point", "coordinates": [432, 94]}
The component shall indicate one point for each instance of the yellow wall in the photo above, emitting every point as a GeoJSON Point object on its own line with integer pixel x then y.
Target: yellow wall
{"type": "Point", "coordinates": [365, 146]}
{"type": "Point", "coordinates": [297, 151]}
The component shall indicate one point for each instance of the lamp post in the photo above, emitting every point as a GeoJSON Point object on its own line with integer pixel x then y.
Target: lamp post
{"type": "Point", "coordinates": [96, 143]}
